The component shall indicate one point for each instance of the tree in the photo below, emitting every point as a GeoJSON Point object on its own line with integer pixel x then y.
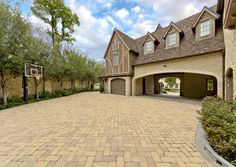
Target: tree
{"type": "Point", "coordinates": [76, 65]}
{"type": "Point", "coordinates": [93, 72]}
{"type": "Point", "coordinates": [13, 28]}
{"type": "Point", "coordinates": [171, 81]}
{"type": "Point", "coordinates": [60, 19]}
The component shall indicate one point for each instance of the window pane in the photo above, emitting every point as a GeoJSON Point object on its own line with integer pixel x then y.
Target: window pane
{"type": "Point", "coordinates": [205, 28]}
{"type": "Point", "coordinates": [210, 85]}
{"type": "Point", "coordinates": [149, 46]}
{"type": "Point", "coordinates": [115, 57]}
{"type": "Point", "coordinates": [172, 39]}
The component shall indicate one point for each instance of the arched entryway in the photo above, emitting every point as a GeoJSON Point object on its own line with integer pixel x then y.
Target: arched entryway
{"type": "Point", "coordinates": [229, 84]}
{"type": "Point", "coordinates": [192, 85]}
{"type": "Point", "coordinates": [169, 86]}
{"type": "Point", "coordinates": [118, 86]}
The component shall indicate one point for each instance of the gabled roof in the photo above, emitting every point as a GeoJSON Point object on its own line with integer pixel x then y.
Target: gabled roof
{"type": "Point", "coordinates": [208, 10]}
{"type": "Point", "coordinates": [129, 42]}
{"type": "Point", "coordinates": [151, 36]}
{"type": "Point", "coordinates": [159, 27]}
{"type": "Point", "coordinates": [169, 27]}
{"type": "Point", "coordinates": [188, 46]}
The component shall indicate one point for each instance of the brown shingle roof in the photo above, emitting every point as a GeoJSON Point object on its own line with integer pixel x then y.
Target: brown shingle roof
{"type": "Point", "coordinates": [188, 45]}
{"type": "Point", "coordinates": [130, 42]}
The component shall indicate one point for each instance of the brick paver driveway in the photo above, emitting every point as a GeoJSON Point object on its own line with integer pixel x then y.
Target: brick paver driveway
{"type": "Point", "coordinates": [92, 129]}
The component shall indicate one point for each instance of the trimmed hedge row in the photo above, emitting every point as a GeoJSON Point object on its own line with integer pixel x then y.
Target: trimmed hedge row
{"type": "Point", "coordinates": [16, 101]}
{"type": "Point", "coordinates": [218, 118]}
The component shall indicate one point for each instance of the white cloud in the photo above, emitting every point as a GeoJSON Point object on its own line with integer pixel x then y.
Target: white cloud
{"type": "Point", "coordinates": [122, 14]}
{"type": "Point", "coordinates": [141, 28]}
{"type": "Point", "coordinates": [136, 9]}
{"type": "Point", "coordinates": [99, 17]}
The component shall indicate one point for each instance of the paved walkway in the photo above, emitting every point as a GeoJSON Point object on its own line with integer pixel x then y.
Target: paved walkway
{"type": "Point", "coordinates": [92, 129]}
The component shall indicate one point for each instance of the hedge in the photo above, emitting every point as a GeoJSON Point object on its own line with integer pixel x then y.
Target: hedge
{"type": "Point", "coordinates": [218, 118]}
{"type": "Point", "coordinates": [16, 101]}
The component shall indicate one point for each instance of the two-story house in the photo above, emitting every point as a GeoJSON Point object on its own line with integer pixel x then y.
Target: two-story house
{"type": "Point", "coordinates": [191, 49]}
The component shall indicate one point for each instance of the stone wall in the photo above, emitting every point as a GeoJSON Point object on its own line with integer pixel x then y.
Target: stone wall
{"type": "Point", "coordinates": [15, 86]}
{"type": "Point", "coordinates": [230, 57]}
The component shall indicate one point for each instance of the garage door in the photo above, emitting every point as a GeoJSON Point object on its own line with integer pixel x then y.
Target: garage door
{"type": "Point", "coordinates": [118, 86]}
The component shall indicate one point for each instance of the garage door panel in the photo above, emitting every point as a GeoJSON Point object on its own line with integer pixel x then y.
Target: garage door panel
{"type": "Point", "coordinates": [118, 86]}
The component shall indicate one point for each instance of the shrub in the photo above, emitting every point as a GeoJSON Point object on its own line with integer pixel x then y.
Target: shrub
{"type": "Point", "coordinates": [16, 101]}
{"type": "Point", "coordinates": [218, 118]}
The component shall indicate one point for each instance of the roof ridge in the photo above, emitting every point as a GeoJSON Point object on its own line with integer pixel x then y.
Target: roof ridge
{"type": "Point", "coordinates": [177, 22]}
{"type": "Point", "coordinates": [119, 31]}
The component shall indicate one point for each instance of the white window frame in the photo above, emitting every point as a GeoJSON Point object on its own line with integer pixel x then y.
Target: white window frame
{"type": "Point", "coordinates": [115, 57]}
{"type": "Point", "coordinates": [205, 28]}
{"type": "Point", "coordinates": [172, 39]}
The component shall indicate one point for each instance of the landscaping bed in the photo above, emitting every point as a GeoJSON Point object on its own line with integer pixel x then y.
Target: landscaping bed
{"type": "Point", "coordinates": [218, 119]}
{"type": "Point", "coordinates": [17, 101]}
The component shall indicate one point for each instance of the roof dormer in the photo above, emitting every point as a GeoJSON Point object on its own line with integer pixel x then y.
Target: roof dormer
{"type": "Point", "coordinates": [149, 43]}
{"type": "Point", "coordinates": [172, 36]}
{"type": "Point", "coordinates": [204, 25]}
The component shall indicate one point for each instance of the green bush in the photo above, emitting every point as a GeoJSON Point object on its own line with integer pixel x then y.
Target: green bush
{"type": "Point", "coordinates": [16, 101]}
{"type": "Point", "coordinates": [218, 118]}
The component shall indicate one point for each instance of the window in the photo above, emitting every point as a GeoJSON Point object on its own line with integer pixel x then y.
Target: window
{"type": "Point", "coordinates": [149, 47]}
{"type": "Point", "coordinates": [204, 28]}
{"type": "Point", "coordinates": [210, 85]}
{"type": "Point", "coordinates": [115, 57]}
{"type": "Point", "coordinates": [172, 39]}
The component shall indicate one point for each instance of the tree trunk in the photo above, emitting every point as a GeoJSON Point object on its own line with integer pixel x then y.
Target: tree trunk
{"type": "Point", "coordinates": [4, 95]}
{"type": "Point", "coordinates": [61, 83]}
{"type": "Point", "coordinates": [72, 84]}
{"type": "Point", "coordinates": [3, 83]}
{"type": "Point", "coordinates": [36, 90]}
{"type": "Point", "coordinates": [88, 85]}
{"type": "Point", "coordinates": [44, 85]}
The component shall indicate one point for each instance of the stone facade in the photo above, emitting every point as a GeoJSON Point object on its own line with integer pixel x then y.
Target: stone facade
{"type": "Point", "coordinates": [208, 64]}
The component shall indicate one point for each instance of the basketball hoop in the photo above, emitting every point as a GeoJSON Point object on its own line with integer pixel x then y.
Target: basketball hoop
{"type": "Point", "coordinates": [33, 71]}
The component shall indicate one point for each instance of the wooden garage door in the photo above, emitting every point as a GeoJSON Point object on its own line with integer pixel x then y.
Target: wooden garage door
{"type": "Point", "coordinates": [118, 86]}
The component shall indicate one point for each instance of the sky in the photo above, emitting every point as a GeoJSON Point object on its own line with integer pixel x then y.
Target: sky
{"type": "Point", "coordinates": [98, 18]}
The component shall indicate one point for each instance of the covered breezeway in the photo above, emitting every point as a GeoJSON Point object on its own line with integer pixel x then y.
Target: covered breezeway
{"type": "Point", "coordinates": [192, 85]}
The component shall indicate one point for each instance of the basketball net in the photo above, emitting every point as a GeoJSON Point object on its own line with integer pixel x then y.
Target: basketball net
{"type": "Point", "coordinates": [37, 76]}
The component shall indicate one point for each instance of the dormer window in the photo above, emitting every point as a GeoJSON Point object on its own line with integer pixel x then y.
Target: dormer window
{"type": "Point", "coordinates": [204, 25]}
{"type": "Point", "coordinates": [115, 58]}
{"type": "Point", "coordinates": [149, 43]}
{"type": "Point", "coordinates": [149, 47]}
{"type": "Point", "coordinates": [205, 28]}
{"type": "Point", "coordinates": [172, 36]}
{"type": "Point", "coordinates": [172, 39]}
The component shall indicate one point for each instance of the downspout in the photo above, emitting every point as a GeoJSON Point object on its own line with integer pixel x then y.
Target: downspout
{"type": "Point", "coordinates": [223, 74]}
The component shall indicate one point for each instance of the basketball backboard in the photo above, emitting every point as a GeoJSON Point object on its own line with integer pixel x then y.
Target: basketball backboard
{"type": "Point", "coordinates": [33, 71]}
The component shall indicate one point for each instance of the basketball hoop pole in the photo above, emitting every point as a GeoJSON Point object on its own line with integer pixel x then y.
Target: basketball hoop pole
{"type": "Point", "coordinates": [25, 88]}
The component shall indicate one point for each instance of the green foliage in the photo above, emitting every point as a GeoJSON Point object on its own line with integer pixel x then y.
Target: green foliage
{"type": "Point", "coordinates": [13, 29]}
{"type": "Point", "coordinates": [170, 81]}
{"type": "Point", "coordinates": [219, 121]}
{"type": "Point", "coordinates": [16, 101]}
{"type": "Point", "coordinates": [19, 44]}
{"type": "Point", "coordinates": [59, 17]}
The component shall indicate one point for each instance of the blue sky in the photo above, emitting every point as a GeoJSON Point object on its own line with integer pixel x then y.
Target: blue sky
{"type": "Point", "coordinates": [134, 17]}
